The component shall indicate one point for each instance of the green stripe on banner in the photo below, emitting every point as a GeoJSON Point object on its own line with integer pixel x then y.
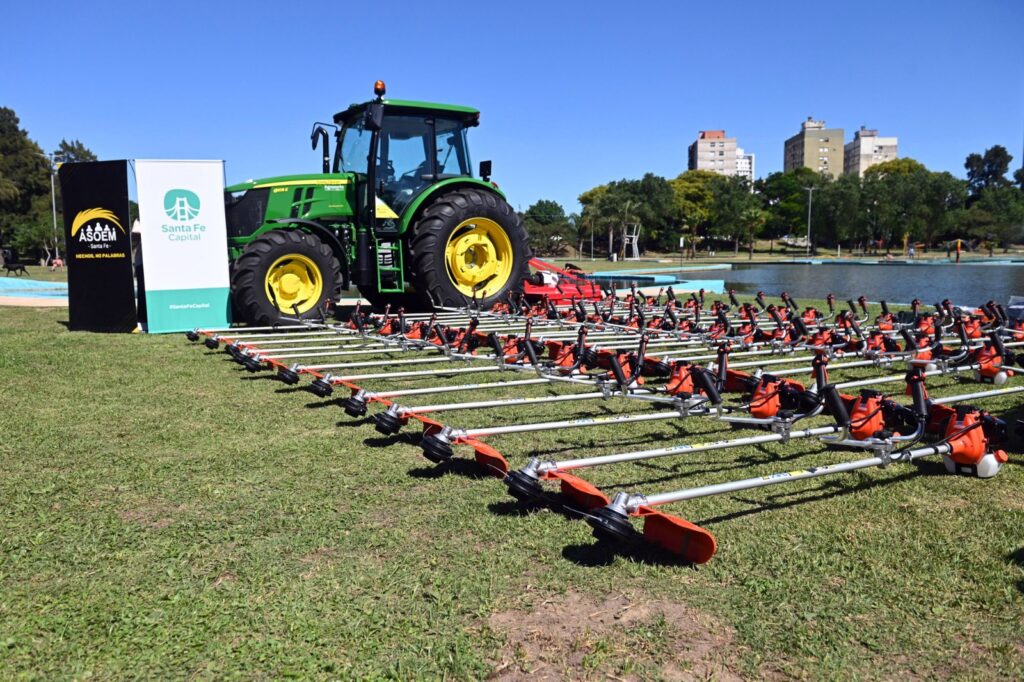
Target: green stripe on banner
{"type": "Point", "coordinates": [178, 310]}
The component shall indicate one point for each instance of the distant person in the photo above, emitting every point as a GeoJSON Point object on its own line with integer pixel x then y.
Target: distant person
{"type": "Point", "coordinates": [911, 251]}
{"type": "Point", "coordinates": [57, 263]}
{"type": "Point", "coordinates": [958, 248]}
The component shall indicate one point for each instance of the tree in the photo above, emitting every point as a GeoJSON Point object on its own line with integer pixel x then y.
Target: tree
{"type": "Point", "coordinates": [944, 202]}
{"type": "Point", "coordinates": [592, 215]}
{"type": "Point", "coordinates": [751, 221]}
{"type": "Point", "coordinates": [896, 191]}
{"type": "Point", "coordinates": [24, 186]}
{"type": "Point", "coordinates": [693, 201]}
{"type": "Point", "coordinates": [731, 198]}
{"type": "Point", "coordinates": [997, 217]}
{"type": "Point", "coordinates": [785, 198]}
{"type": "Point", "coordinates": [987, 171]}
{"type": "Point", "coordinates": [73, 152]}
{"type": "Point", "coordinates": [837, 211]}
{"type": "Point", "coordinates": [548, 227]}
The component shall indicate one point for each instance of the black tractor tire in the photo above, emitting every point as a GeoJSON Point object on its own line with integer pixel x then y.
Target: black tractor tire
{"type": "Point", "coordinates": [249, 275]}
{"type": "Point", "coordinates": [431, 234]}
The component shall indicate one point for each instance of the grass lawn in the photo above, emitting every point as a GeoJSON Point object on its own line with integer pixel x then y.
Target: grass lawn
{"type": "Point", "coordinates": [43, 274]}
{"type": "Point", "coordinates": [165, 514]}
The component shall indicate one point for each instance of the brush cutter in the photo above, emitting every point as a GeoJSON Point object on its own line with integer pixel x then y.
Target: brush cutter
{"type": "Point", "coordinates": [966, 447]}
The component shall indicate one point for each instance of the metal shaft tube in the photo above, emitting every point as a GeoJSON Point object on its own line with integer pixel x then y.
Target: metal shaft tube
{"type": "Point", "coordinates": [635, 501]}
{"type": "Point", "coordinates": [584, 462]}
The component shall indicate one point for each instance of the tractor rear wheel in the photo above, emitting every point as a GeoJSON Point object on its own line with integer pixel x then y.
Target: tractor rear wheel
{"type": "Point", "coordinates": [469, 244]}
{"type": "Point", "coordinates": [283, 272]}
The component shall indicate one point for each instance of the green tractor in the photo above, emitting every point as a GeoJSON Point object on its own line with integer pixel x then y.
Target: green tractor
{"type": "Point", "coordinates": [395, 212]}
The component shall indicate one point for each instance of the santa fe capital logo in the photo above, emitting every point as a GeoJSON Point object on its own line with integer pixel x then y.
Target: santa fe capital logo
{"type": "Point", "coordinates": [181, 204]}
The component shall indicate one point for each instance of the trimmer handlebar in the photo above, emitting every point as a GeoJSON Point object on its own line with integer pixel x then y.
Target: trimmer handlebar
{"type": "Point", "coordinates": [997, 343]}
{"type": "Point", "coordinates": [620, 376]}
{"type": "Point", "coordinates": [915, 381]}
{"type": "Point", "coordinates": [705, 381]}
{"type": "Point", "coordinates": [909, 339]}
{"type": "Point", "coordinates": [836, 406]}
{"type": "Point", "coordinates": [799, 326]}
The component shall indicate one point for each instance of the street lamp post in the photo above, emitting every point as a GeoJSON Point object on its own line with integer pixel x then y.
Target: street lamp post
{"type": "Point", "coordinates": [52, 158]}
{"type": "Point", "coordinates": [810, 202]}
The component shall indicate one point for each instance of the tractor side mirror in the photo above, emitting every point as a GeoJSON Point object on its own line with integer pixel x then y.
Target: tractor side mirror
{"type": "Point", "coordinates": [485, 170]}
{"type": "Point", "coordinates": [374, 116]}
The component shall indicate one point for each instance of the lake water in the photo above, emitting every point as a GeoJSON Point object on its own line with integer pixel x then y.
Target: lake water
{"type": "Point", "coordinates": [963, 284]}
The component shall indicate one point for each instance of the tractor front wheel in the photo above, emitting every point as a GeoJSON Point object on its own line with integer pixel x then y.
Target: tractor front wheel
{"type": "Point", "coordinates": [281, 274]}
{"type": "Point", "coordinates": [469, 245]}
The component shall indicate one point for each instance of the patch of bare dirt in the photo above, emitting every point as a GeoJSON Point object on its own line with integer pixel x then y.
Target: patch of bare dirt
{"type": "Point", "coordinates": [317, 560]}
{"type": "Point", "coordinates": [224, 578]}
{"type": "Point", "coordinates": [575, 636]}
{"type": "Point", "coordinates": [155, 516]}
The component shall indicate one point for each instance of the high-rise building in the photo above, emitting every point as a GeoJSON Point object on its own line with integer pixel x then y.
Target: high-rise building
{"type": "Point", "coordinates": [815, 147]}
{"type": "Point", "coordinates": [866, 149]}
{"type": "Point", "coordinates": [744, 165]}
{"type": "Point", "coordinates": [713, 151]}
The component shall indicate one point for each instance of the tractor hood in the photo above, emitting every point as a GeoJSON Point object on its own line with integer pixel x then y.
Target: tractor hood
{"type": "Point", "coordinates": [303, 180]}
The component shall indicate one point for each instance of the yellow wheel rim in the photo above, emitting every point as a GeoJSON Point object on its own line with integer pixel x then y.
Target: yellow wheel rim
{"type": "Point", "coordinates": [478, 257]}
{"type": "Point", "coordinates": [295, 281]}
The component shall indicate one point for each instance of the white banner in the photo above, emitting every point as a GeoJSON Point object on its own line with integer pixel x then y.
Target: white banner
{"type": "Point", "coordinates": [184, 244]}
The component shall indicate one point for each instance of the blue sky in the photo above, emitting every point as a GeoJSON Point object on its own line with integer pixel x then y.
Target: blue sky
{"type": "Point", "coordinates": [573, 94]}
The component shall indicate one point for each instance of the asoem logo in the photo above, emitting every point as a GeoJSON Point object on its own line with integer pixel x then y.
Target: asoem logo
{"type": "Point", "coordinates": [181, 204]}
{"type": "Point", "coordinates": [96, 228]}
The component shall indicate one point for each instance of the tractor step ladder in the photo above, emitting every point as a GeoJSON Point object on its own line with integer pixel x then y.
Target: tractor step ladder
{"type": "Point", "coordinates": [389, 262]}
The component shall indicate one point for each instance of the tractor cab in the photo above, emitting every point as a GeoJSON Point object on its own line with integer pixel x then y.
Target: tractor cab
{"type": "Point", "coordinates": [419, 144]}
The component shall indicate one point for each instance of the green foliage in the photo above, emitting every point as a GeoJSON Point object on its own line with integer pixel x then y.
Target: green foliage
{"type": "Point", "coordinates": [693, 200]}
{"type": "Point", "coordinates": [73, 152]}
{"type": "Point", "coordinates": [997, 217]}
{"type": "Point", "coordinates": [24, 179]}
{"type": "Point", "coordinates": [732, 210]}
{"type": "Point", "coordinates": [988, 170]}
{"type": "Point", "coordinates": [26, 208]}
{"type": "Point", "coordinates": [785, 197]}
{"type": "Point", "coordinates": [550, 231]}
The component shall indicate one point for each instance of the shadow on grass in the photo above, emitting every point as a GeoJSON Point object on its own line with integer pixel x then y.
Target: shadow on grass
{"type": "Point", "coordinates": [1015, 423]}
{"type": "Point", "coordinates": [333, 402]}
{"type": "Point", "coordinates": [1017, 559]}
{"type": "Point", "coordinates": [258, 377]}
{"type": "Point", "coordinates": [602, 553]}
{"type": "Point", "coordinates": [291, 389]}
{"type": "Point", "coordinates": [387, 441]}
{"type": "Point", "coordinates": [548, 501]}
{"type": "Point", "coordinates": [456, 465]}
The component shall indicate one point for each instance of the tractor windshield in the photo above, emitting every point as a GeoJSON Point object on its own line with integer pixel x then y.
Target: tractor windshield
{"type": "Point", "coordinates": [414, 152]}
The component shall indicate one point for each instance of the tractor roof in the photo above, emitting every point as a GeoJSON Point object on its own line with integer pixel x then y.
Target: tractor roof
{"type": "Point", "coordinates": [410, 107]}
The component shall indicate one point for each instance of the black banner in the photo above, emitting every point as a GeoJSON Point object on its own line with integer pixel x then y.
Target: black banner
{"type": "Point", "coordinates": [101, 291]}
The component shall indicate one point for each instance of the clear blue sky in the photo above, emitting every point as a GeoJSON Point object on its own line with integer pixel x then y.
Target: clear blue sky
{"type": "Point", "coordinates": [573, 94]}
